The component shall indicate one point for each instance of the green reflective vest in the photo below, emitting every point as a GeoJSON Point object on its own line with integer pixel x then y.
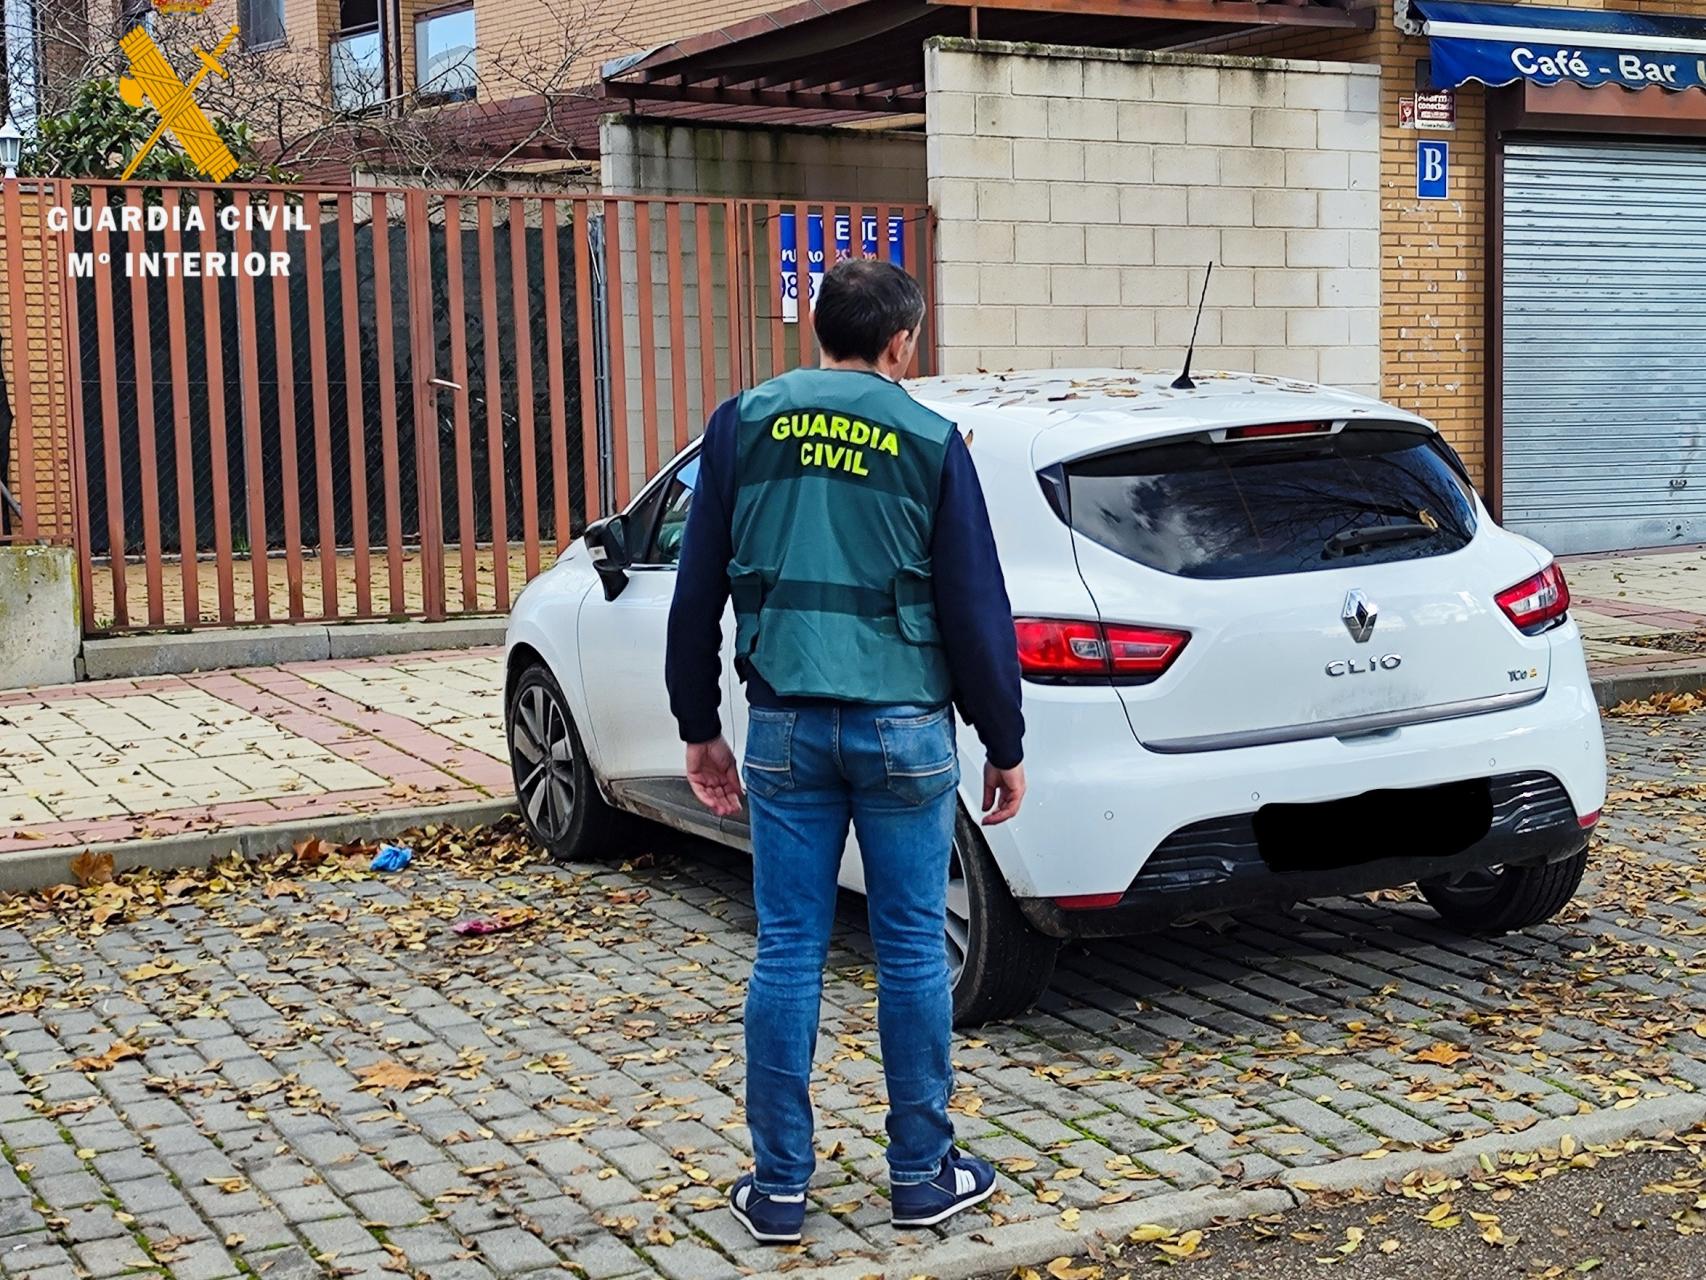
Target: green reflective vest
{"type": "Point", "coordinates": [836, 482]}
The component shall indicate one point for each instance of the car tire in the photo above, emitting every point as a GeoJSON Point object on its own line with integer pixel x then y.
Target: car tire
{"type": "Point", "coordinates": [562, 805]}
{"type": "Point", "coordinates": [1006, 964]}
{"type": "Point", "coordinates": [1506, 899]}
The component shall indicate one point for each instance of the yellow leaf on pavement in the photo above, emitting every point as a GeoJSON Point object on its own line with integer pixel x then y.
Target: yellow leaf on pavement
{"type": "Point", "coordinates": [1183, 1247]}
{"type": "Point", "coordinates": [1062, 1269]}
{"type": "Point", "coordinates": [1441, 1054]}
{"type": "Point", "coordinates": [390, 1075]}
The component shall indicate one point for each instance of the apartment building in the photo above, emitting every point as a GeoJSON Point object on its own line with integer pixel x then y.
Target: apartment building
{"type": "Point", "coordinates": [484, 67]}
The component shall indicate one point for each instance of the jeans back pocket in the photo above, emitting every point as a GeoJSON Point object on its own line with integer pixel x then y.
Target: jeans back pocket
{"type": "Point", "coordinates": [918, 754]}
{"type": "Point", "coordinates": [769, 764]}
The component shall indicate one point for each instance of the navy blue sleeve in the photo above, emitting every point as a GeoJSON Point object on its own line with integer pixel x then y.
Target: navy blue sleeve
{"type": "Point", "coordinates": [973, 614]}
{"type": "Point", "coordinates": [693, 668]}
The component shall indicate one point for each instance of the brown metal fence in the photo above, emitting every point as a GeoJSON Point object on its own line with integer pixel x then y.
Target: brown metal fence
{"type": "Point", "coordinates": [333, 403]}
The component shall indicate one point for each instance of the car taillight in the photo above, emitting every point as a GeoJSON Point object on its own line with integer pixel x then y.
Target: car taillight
{"type": "Point", "coordinates": [1535, 602]}
{"type": "Point", "coordinates": [1057, 648]}
{"type": "Point", "coordinates": [1267, 430]}
{"type": "Point", "coordinates": [1089, 901]}
{"type": "Point", "coordinates": [1588, 821]}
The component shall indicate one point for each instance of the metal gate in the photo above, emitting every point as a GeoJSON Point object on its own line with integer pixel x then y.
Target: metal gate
{"type": "Point", "coordinates": [1604, 344]}
{"type": "Point", "coordinates": [334, 403]}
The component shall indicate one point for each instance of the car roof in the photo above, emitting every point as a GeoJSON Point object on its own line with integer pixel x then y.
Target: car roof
{"type": "Point", "coordinates": [1050, 415]}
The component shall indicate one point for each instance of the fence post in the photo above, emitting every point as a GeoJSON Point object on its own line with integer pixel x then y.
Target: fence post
{"type": "Point", "coordinates": [23, 411]}
{"type": "Point", "coordinates": [422, 364]}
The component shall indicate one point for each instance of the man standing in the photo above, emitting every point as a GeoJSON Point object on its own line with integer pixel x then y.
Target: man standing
{"type": "Point", "coordinates": [849, 526]}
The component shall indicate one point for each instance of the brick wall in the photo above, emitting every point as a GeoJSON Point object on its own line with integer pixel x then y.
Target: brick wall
{"type": "Point", "coordinates": [26, 250]}
{"type": "Point", "coordinates": [1079, 192]}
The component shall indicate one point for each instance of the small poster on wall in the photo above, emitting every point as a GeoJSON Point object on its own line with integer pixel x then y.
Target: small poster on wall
{"type": "Point", "coordinates": [1428, 110]}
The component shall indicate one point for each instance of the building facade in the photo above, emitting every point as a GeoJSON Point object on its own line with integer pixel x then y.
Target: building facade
{"type": "Point", "coordinates": [1491, 214]}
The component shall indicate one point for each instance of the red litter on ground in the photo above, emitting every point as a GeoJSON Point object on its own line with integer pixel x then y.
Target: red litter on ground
{"type": "Point", "coordinates": [480, 926]}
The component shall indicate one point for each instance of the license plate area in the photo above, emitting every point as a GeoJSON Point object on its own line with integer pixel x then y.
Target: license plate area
{"type": "Point", "coordinates": [1411, 822]}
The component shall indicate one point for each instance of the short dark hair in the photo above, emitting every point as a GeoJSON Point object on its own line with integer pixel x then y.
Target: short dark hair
{"type": "Point", "coordinates": [861, 305]}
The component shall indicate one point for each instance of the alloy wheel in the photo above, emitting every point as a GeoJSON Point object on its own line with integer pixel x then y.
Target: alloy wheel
{"type": "Point", "coordinates": [542, 743]}
{"type": "Point", "coordinates": [959, 918]}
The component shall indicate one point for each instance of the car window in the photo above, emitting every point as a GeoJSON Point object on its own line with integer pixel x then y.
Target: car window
{"type": "Point", "coordinates": [672, 523]}
{"type": "Point", "coordinates": [1198, 509]}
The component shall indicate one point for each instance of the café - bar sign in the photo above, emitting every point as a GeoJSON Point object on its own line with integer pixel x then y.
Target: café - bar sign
{"type": "Point", "coordinates": [1496, 62]}
{"type": "Point", "coordinates": [1498, 44]}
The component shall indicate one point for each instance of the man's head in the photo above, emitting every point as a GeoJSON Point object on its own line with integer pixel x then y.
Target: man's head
{"type": "Point", "coordinates": [868, 312]}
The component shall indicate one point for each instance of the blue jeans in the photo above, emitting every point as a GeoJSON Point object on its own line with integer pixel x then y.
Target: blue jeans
{"type": "Point", "coordinates": [893, 771]}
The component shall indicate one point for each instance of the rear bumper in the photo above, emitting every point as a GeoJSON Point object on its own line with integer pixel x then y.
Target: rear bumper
{"type": "Point", "coordinates": [1218, 865]}
{"type": "Point", "coordinates": [1099, 805]}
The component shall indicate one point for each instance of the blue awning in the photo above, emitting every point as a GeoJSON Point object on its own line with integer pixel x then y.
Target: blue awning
{"type": "Point", "coordinates": [1502, 43]}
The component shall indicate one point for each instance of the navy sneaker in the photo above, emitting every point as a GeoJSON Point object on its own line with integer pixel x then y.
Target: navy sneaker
{"type": "Point", "coordinates": [769, 1219]}
{"type": "Point", "coordinates": [961, 1182]}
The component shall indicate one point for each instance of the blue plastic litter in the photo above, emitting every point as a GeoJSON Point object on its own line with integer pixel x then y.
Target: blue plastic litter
{"type": "Point", "coordinates": [392, 857]}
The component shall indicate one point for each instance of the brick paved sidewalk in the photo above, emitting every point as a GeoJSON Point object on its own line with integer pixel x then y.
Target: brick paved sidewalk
{"type": "Point", "coordinates": [118, 760]}
{"type": "Point", "coordinates": [1640, 609]}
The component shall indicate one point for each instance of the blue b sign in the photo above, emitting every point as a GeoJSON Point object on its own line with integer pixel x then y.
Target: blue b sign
{"type": "Point", "coordinates": [1433, 170]}
{"type": "Point", "coordinates": [788, 243]}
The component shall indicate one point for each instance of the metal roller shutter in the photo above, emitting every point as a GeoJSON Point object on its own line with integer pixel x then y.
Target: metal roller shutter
{"type": "Point", "coordinates": [1604, 374]}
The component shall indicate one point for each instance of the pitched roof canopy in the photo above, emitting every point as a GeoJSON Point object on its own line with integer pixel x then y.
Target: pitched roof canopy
{"type": "Point", "coordinates": [868, 55]}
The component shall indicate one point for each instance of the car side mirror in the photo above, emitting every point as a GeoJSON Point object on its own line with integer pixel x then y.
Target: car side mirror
{"type": "Point", "coordinates": [607, 544]}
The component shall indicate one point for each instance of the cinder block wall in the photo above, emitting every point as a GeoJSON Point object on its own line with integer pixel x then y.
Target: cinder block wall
{"type": "Point", "coordinates": [1080, 193]}
{"type": "Point", "coordinates": [766, 162]}
{"type": "Point", "coordinates": [832, 168]}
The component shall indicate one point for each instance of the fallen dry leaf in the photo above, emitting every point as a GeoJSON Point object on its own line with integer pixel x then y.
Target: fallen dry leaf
{"type": "Point", "coordinates": [91, 869]}
{"type": "Point", "coordinates": [1442, 1054]}
{"type": "Point", "coordinates": [391, 1075]}
{"type": "Point", "coordinates": [118, 1051]}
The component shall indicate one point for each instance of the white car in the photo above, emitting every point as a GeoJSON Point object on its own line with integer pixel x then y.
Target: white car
{"type": "Point", "coordinates": [1274, 648]}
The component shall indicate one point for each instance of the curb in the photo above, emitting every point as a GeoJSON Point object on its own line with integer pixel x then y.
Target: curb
{"type": "Point", "coordinates": [1614, 685]}
{"type": "Point", "coordinates": [1647, 1118]}
{"type": "Point", "coordinates": [26, 870]}
{"type": "Point", "coordinates": [225, 648]}
{"type": "Point", "coordinates": [1037, 1241]}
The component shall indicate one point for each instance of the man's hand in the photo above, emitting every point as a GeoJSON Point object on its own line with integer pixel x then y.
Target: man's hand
{"type": "Point", "coordinates": [1004, 785]}
{"type": "Point", "coordinates": [715, 777]}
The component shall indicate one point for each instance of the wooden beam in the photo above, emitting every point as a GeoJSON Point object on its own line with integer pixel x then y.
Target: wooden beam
{"type": "Point", "coordinates": [1240, 12]}
{"type": "Point", "coordinates": [885, 104]}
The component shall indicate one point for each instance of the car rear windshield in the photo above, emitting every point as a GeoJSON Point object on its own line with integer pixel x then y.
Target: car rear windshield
{"type": "Point", "coordinates": [1250, 508]}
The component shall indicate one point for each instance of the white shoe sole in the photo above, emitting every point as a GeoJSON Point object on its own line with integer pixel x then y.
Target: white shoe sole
{"type": "Point", "coordinates": [763, 1237]}
{"type": "Point", "coordinates": [946, 1213]}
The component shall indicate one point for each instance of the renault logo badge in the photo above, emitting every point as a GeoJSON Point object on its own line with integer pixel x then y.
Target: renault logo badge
{"type": "Point", "coordinates": [1359, 615]}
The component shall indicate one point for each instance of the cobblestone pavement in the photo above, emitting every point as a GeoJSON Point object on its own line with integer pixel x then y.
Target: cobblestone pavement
{"type": "Point", "coordinates": [299, 1070]}
{"type": "Point", "coordinates": [142, 759]}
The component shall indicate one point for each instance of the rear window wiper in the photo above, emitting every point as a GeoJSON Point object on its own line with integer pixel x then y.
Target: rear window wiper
{"type": "Point", "coordinates": [1375, 534]}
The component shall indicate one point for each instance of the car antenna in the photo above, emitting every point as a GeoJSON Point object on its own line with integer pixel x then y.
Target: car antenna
{"type": "Point", "coordinates": [1183, 381]}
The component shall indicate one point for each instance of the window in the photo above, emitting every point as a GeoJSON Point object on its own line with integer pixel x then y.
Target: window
{"type": "Point", "coordinates": [358, 71]}
{"type": "Point", "coordinates": [261, 22]}
{"type": "Point", "coordinates": [672, 522]}
{"type": "Point", "coordinates": [1245, 509]}
{"type": "Point", "coordinates": [20, 64]}
{"type": "Point", "coordinates": [444, 54]}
